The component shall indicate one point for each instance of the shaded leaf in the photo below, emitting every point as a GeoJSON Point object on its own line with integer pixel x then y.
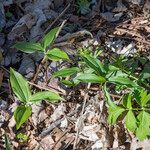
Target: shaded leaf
{"type": "Point", "coordinates": [19, 86]}
{"type": "Point", "coordinates": [49, 37]}
{"type": "Point", "coordinates": [56, 54]}
{"type": "Point", "coordinates": [108, 98]}
{"type": "Point", "coordinates": [66, 72]}
{"type": "Point", "coordinates": [21, 115]}
{"type": "Point", "coordinates": [130, 121]}
{"type": "Point", "coordinates": [45, 95]}
{"type": "Point", "coordinates": [28, 47]}
{"type": "Point", "coordinates": [7, 143]}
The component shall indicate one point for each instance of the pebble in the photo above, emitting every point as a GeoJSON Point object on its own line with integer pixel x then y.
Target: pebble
{"type": "Point", "coordinates": [2, 16]}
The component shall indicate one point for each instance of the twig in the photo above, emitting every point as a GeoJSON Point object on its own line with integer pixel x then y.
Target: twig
{"type": "Point", "coordinates": [44, 88]}
{"type": "Point", "coordinates": [56, 123]}
{"type": "Point", "coordinates": [139, 37]}
{"type": "Point", "coordinates": [61, 14]}
{"type": "Point", "coordinates": [73, 35]}
{"type": "Point", "coordinates": [81, 115]}
{"type": "Point", "coordinates": [38, 69]}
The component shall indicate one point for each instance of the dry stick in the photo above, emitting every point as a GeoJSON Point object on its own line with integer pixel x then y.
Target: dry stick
{"type": "Point", "coordinates": [45, 88]}
{"type": "Point", "coordinates": [142, 40]}
{"type": "Point", "coordinates": [56, 123]}
{"type": "Point", "coordinates": [61, 14]}
{"type": "Point", "coordinates": [66, 131]}
{"type": "Point", "coordinates": [80, 118]}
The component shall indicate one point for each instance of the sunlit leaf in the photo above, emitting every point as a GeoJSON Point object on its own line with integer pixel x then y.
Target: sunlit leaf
{"type": "Point", "coordinates": [19, 86]}
{"type": "Point", "coordinates": [45, 95]}
{"type": "Point", "coordinates": [95, 64]}
{"type": "Point", "coordinates": [143, 129]}
{"type": "Point", "coordinates": [29, 47]}
{"type": "Point", "coordinates": [92, 78]}
{"type": "Point", "coordinates": [122, 81]}
{"type": "Point", "coordinates": [49, 37]}
{"type": "Point", "coordinates": [114, 113]}
{"type": "Point", "coordinates": [130, 121]}
{"type": "Point", "coordinates": [56, 54]}
{"type": "Point", "coordinates": [21, 115]}
{"type": "Point", "coordinates": [66, 72]}
{"type": "Point", "coordinates": [67, 82]}
{"type": "Point", "coordinates": [127, 101]}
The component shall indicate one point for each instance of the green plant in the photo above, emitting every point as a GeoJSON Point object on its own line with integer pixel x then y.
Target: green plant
{"type": "Point", "coordinates": [133, 104]}
{"type": "Point", "coordinates": [22, 137]}
{"type": "Point", "coordinates": [53, 54]}
{"type": "Point", "coordinates": [22, 90]}
{"type": "Point", "coordinates": [7, 143]}
{"type": "Point", "coordinates": [83, 6]}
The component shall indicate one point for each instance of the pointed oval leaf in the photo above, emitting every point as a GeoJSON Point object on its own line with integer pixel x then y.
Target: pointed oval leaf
{"type": "Point", "coordinates": [19, 86]}
{"type": "Point", "coordinates": [66, 72]}
{"type": "Point", "coordinates": [122, 81]}
{"type": "Point", "coordinates": [67, 82]}
{"type": "Point", "coordinates": [130, 121]}
{"type": "Point", "coordinates": [144, 97]}
{"type": "Point", "coordinates": [95, 64]}
{"type": "Point", "coordinates": [21, 115]}
{"type": "Point", "coordinates": [28, 47]}
{"type": "Point", "coordinates": [127, 101]}
{"type": "Point", "coordinates": [108, 98]}
{"type": "Point", "coordinates": [49, 37]}
{"type": "Point", "coordinates": [56, 54]}
{"type": "Point", "coordinates": [92, 78]}
{"type": "Point", "coordinates": [114, 113]}
{"type": "Point", "coordinates": [45, 95]}
{"type": "Point", "coordinates": [143, 129]}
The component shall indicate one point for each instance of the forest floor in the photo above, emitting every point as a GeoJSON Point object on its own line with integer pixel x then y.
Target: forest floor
{"type": "Point", "coordinates": [118, 28]}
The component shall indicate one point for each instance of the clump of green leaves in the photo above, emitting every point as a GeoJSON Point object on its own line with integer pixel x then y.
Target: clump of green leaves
{"type": "Point", "coordinates": [83, 6]}
{"type": "Point", "coordinates": [133, 105]}
{"type": "Point", "coordinates": [53, 54]}
{"type": "Point", "coordinates": [22, 90]}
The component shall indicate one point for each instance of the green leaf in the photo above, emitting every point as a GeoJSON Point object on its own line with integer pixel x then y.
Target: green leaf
{"type": "Point", "coordinates": [108, 98]}
{"type": "Point", "coordinates": [22, 137]}
{"type": "Point", "coordinates": [95, 64]}
{"type": "Point", "coordinates": [141, 97]}
{"type": "Point", "coordinates": [56, 54]}
{"type": "Point", "coordinates": [21, 115]}
{"type": "Point", "coordinates": [114, 113]}
{"type": "Point", "coordinates": [7, 143]}
{"type": "Point", "coordinates": [19, 86]}
{"type": "Point", "coordinates": [45, 95]}
{"type": "Point", "coordinates": [92, 78]}
{"type": "Point", "coordinates": [127, 101]}
{"type": "Point", "coordinates": [143, 129]}
{"type": "Point", "coordinates": [49, 37]}
{"type": "Point", "coordinates": [66, 72]}
{"type": "Point", "coordinates": [67, 82]}
{"type": "Point", "coordinates": [28, 47]}
{"type": "Point", "coordinates": [122, 81]}
{"type": "Point", "coordinates": [144, 97]}
{"type": "Point", "coordinates": [130, 121]}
